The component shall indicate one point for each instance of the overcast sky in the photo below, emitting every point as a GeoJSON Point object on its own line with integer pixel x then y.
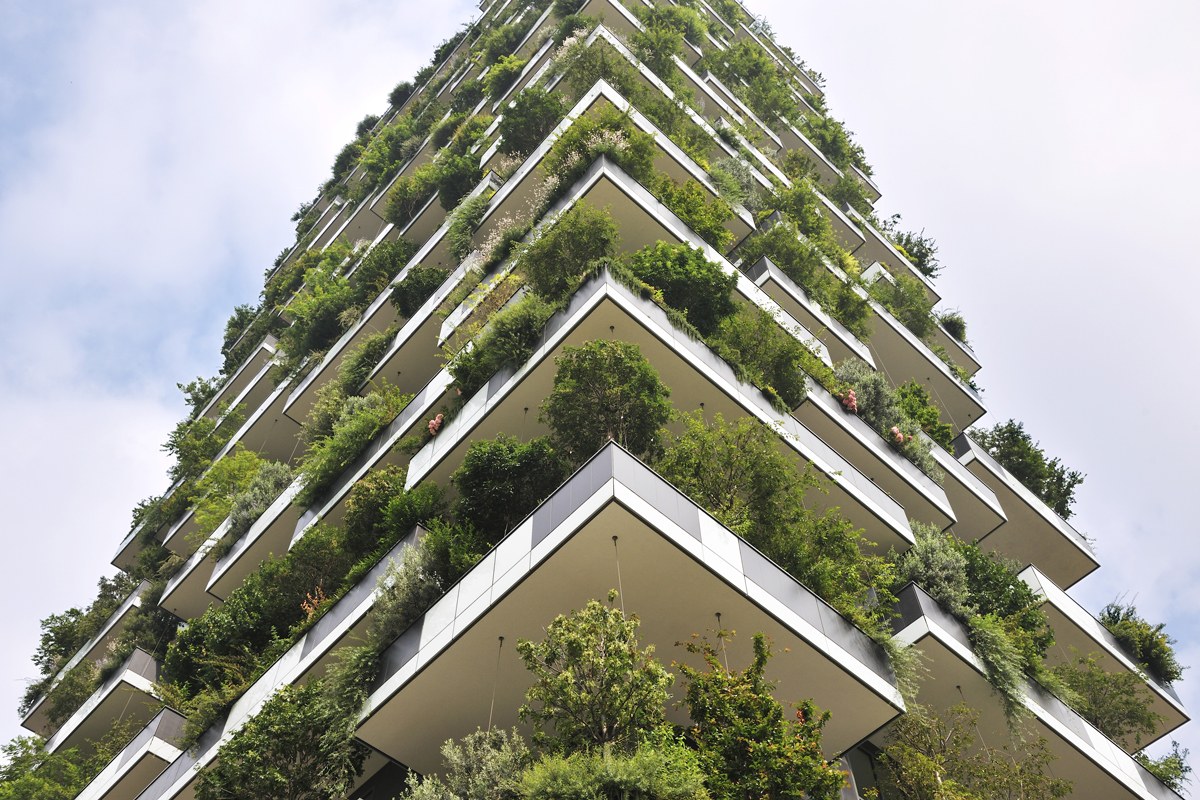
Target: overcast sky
{"type": "Point", "coordinates": [151, 155]}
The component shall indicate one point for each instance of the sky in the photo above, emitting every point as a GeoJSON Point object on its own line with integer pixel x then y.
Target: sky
{"type": "Point", "coordinates": [151, 155]}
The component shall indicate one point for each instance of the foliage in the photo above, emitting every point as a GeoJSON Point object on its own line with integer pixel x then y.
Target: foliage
{"type": "Point", "coordinates": [217, 488]}
{"type": "Point", "coordinates": [400, 93]}
{"type": "Point", "coordinates": [500, 40]}
{"type": "Point", "coordinates": [593, 684]}
{"type": "Point", "coordinates": [921, 250]}
{"type": "Point", "coordinates": [694, 206]}
{"type": "Point", "coordinates": [904, 297]}
{"type": "Point", "coordinates": [1172, 769]}
{"type": "Point", "coordinates": [1118, 703]}
{"type": "Point", "coordinates": [72, 689]}
{"type": "Point", "coordinates": [533, 113]}
{"type": "Point", "coordinates": [1001, 660]}
{"type": "Point", "coordinates": [1017, 452]}
{"type": "Point", "coordinates": [28, 772]}
{"type": "Point", "coordinates": [735, 181]}
{"type": "Point", "coordinates": [463, 223]}
{"type": "Point", "coordinates": [501, 480]}
{"type": "Point", "coordinates": [747, 70]}
{"type": "Point", "coordinates": [194, 444]}
{"type": "Point", "coordinates": [556, 260]}
{"type": "Point", "coordinates": [955, 325]}
{"type": "Point", "coordinates": [997, 590]}
{"type": "Point", "coordinates": [378, 267]}
{"type": "Point", "coordinates": [249, 504]}
{"type": "Point", "coordinates": [456, 175]}
{"type": "Point", "coordinates": [500, 79]}
{"type": "Point", "coordinates": [886, 412]}
{"type": "Point", "coordinates": [484, 765]}
{"type": "Point", "coordinates": [607, 132]}
{"type": "Point", "coordinates": [932, 755]}
{"type": "Point", "coordinates": [688, 281]}
{"type": "Point", "coordinates": [293, 749]}
{"type": "Point", "coordinates": [766, 355]}
{"type": "Point", "coordinates": [321, 310]}
{"type": "Point", "coordinates": [418, 286]}
{"type": "Point", "coordinates": [744, 742]}
{"type": "Point", "coordinates": [831, 138]}
{"type": "Point", "coordinates": [197, 393]}
{"type": "Point", "coordinates": [737, 473]}
{"type": "Point", "coordinates": [409, 194]}
{"type": "Point", "coordinates": [803, 262]}
{"type": "Point", "coordinates": [508, 341]}
{"type": "Point", "coordinates": [915, 403]}
{"type": "Point", "coordinates": [605, 391]}
{"type": "Point", "coordinates": [362, 360]}
{"type": "Point", "coordinates": [938, 566]}
{"type": "Point", "coordinates": [359, 420]}
{"type": "Point", "coordinates": [659, 768]}
{"type": "Point", "coordinates": [847, 190]}
{"type": "Point", "coordinates": [1148, 645]}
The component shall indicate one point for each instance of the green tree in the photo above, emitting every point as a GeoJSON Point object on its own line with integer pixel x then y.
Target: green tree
{"type": "Point", "coordinates": [937, 756]}
{"type": "Point", "coordinates": [556, 259]}
{"type": "Point", "coordinates": [1171, 768]}
{"type": "Point", "coordinates": [1118, 703]}
{"type": "Point", "coordinates": [532, 114]}
{"type": "Point", "coordinates": [1149, 644]}
{"type": "Point", "coordinates": [501, 480]}
{"type": "Point", "coordinates": [297, 747]}
{"type": "Point", "coordinates": [745, 743]}
{"type": "Point", "coordinates": [688, 281]}
{"type": "Point", "coordinates": [484, 765]}
{"type": "Point", "coordinates": [1017, 452]}
{"type": "Point", "coordinates": [606, 391]}
{"type": "Point", "coordinates": [593, 684]}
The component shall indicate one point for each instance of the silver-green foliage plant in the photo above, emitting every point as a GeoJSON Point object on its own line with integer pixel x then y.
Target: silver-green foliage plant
{"type": "Point", "coordinates": [270, 481]}
{"type": "Point", "coordinates": [880, 407]}
{"type": "Point", "coordinates": [484, 765]}
{"type": "Point", "coordinates": [938, 567]}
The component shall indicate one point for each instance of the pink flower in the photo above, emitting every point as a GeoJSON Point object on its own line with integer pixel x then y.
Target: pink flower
{"type": "Point", "coordinates": [850, 402]}
{"type": "Point", "coordinates": [896, 433]}
{"type": "Point", "coordinates": [435, 424]}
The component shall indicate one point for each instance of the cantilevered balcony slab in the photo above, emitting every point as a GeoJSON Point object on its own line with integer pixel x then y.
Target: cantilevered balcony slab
{"type": "Point", "coordinates": [679, 568]}
{"type": "Point", "coordinates": [126, 697]}
{"type": "Point", "coordinates": [902, 357]}
{"type": "Point", "coordinates": [976, 507]}
{"type": "Point", "coordinates": [1078, 633]}
{"type": "Point", "coordinates": [96, 650]}
{"type": "Point", "coordinates": [793, 139]}
{"type": "Point", "coordinates": [269, 535]}
{"type": "Point", "coordinates": [603, 309]}
{"type": "Point", "coordinates": [960, 352]}
{"type": "Point", "coordinates": [1033, 534]}
{"type": "Point", "coordinates": [857, 442]}
{"type": "Point", "coordinates": [245, 386]}
{"type": "Point", "coordinates": [141, 761]}
{"type": "Point", "coordinates": [185, 595]}
{"type": "Point", "coordinates": [841, 343]}
{"type": "Point", "coordinates": [1095, 765]}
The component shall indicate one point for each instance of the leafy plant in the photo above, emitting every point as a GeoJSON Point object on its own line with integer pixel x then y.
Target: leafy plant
{"type": "Point", "coordinates": [1017, 452]}
{"type": "Point", "coordinates": [745, 744]}
{"type": "Point", "coordinates": [659, 767]}
{"type": "Point", "coordinates": [593, 683]}
{"type": "Point", "coordinates": [249, 504]}
{"type": "Point", "coordinates": [1172, 769]}
{"type": "Point", "coordinates": [484, 765]}
{"type": "Point", "coordinates": [1147, 644]}
{"type": "Point", "coordinates": [688, 281]}
{"type": "Point", "coordinates": [702, 213]}
{"type": "Point", "coordinates": [418, 286]}
{"type": "Point", "coordinates": [508, 341]}
{"type": "Point", "coordinates": [921, 250]}
{"type": "Point", "coordinates": [503, 73]}
{"type": "Point", "coordinates": [463, 223]}
{"type": "Point", "coordinates": [605, 391]}
{"type": "Point", "coordinates": [533, 113]}
{"type": "Point", "coordinates": [556, 260]}
{"type": "Point", "coordinates": [501, 480]}
{"type": "Point", "coordinates": [216, 490]}
{"type": "Point", "coordinates": [904, 297]}
{"type": "Point", "coordinates": [955, 325]}
{"type": "Point", "coordinates": [916, 404]}
{"type": "Point", "coordinates": [764, 354]}
{"type": "Point", "coordinates": [1118, 703]}
{"type": "Point", "coordinates": [886, 411]}
{"type": "Point", "coordinates": [377, 269]}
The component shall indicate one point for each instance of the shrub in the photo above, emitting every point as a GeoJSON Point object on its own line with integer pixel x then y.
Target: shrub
{"type": "Point", "coordinates": [1172, 769]}
{"type": "Point", "coordinates": [400, 93]}
{"type": "Point", "coordinates": [63, 634]}
{"type": "Point", "coordinates": [409, 194]}
{"type": "Point", "coordinates": [295, 748]}
{"type": "Point", "coordinates": [916, 404]}
{"type": "Point", "coordinates": [703, 214]}
{"type": "Point", "coordinates": [955, 325]}
{"type": "Point", "coordinates": [528, 119]}
{"type": "Point", "coordinates": [248, 505]}
{"type": "Point", "coordinates": [501, 480]}
{"type": "Point", "coordinates": [606, 132]}
{"type": "Point", "coordinates": [745, 744]}
{"type": "Point", "coordinates": [484, 765]}
{"type": "Point", "coordinates": [921, 251]}
{"type": "Point", "coordinates": [605, 391]}
{"type": "Point", "coordinates": [1147, 644]}
{"type": "Point", "coordinates": [72, 689]}
{"type": "Point", "coordinates": [735, 181]}
{"type": "Point", "coordinates": [504, 72]}
{"type": "Point", "coordinates": [831, 138]}
{"type": "Point", "coordinates": [498, 41]}
{"type": "Point", "coordinates": [930, 754]}
{"type": "Point", "coordinates": [688, 281]}
{"type": "Point", "coordinates": [463, 223]}
{"type": "Point", "coordinates": [766, 355]}
{"type": "Point", "coordinates": [361, 361]}
{"type": "Point", "coordinates": [565, 251]}
{"type": "Point", "coordinates": [593, 684]}
{"type": "Point", "coordinates": [1017, 452]}
{"type": "Point", "coordinates": [1118, 703]}
{"type": "Point", "coordinates": [997, 590]}
{"type": "Point", "coordinates": [883, 409]}
{"type": "Point", "coordinates": [752, 75]}
{"type": "Point", "coordinates": [658, 768]}
{"type": "Point", "coordinates": [1001, 660]}
{"type": "Point", "coordinates": [360, 419]}
{"type": "Point", "coordinates": [418, 286]}
{"type": "Point", "coordinates": [216, 490]}
{"type": "Point", "coordinates": [441, 133]}
{"type": "Point", "coordinates": [467, 96]}
{"type": "Point", "coordinates": [456, 177]}
{"type": "Point", "coordinates": [507, 342]}
{"type": "Point", "coordinates": [378, 267]}
{"type": "Point", "coordinates": [938, 566]}
{"type": "Point", "coordinates": [904, 296]}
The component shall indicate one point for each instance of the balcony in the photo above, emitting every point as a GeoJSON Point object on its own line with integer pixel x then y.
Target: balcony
{"type": "Point", "coordinates": [140, 762]}
{"type": "Point", "coordinates": [1078, 633]}
{"type": "Point", "coordinates": [239, 389]}
{"type": "Point", "coordinates": [126, 696]}
{"type": "Point", "coordinates": [697, 378]}
{"type": "Point", "coordinates": [1033, 533]}
{"type": "Point", "coordinates": [679, 568]}
{"type": "Point", "coordinates": [269, 535]}
{"type": "Point", "coordinates": [1096, 766]}
{"type": "Point", "coordinates": [96, 651]}
{"type": "Point", "coordinates": [877, 248]}
{"type": "Point", "coordinates": [185, 595]}
{"type": "Point", "coordinates": [904, 357]}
